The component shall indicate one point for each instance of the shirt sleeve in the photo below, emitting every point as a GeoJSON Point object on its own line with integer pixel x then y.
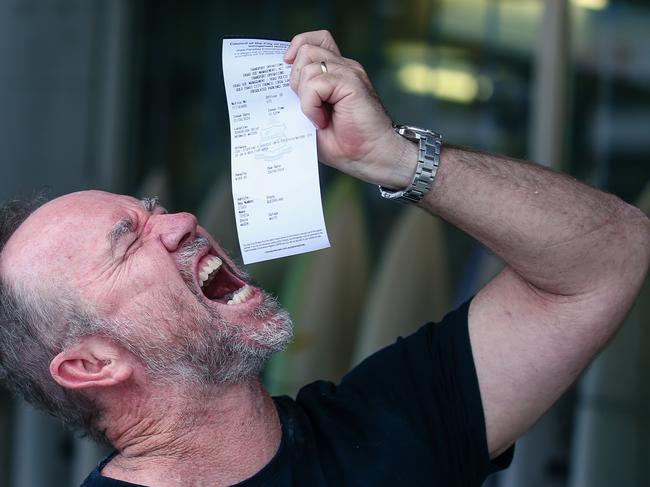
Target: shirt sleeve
{"type": "Point", "coordinates": [417, 400]}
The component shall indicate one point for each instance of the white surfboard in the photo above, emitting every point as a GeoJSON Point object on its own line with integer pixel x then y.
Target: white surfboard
{"type": "Point", "coordinates": [325, 294]}
{"type": "Point", "coordinates": [410, 286]}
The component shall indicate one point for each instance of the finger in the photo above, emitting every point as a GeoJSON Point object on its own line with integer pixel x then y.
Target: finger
{"type": "Point", "coordinates": [310, 71]}
{"type": "Point", "coordinates": [320, 38]}
{"type": "Point", "coordinates": [312, 98]}
{"type": "Point", "coordinates": [309, 54]}
{"type": "Point", "coordinates": [323, 91]}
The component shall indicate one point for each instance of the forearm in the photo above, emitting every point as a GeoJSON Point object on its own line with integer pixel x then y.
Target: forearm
{"type": "Point", "coordinates": [559, 235]}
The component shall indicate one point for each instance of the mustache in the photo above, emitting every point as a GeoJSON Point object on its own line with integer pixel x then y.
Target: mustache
{"type": "Point", "coordinates": [189, 250]}
{"type": "Point", "coordinates": [185, 257]}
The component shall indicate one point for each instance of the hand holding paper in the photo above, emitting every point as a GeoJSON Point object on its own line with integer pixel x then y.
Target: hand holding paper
{"type": "Point", "coordinates": [355, 133]}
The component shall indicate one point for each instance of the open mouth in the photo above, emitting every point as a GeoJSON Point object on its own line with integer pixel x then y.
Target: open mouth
{"type": "Point", "coordinates": [219, 284]}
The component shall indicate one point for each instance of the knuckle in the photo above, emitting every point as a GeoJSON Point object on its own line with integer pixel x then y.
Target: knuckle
{"type": "Point", "coordinates": [304, 50]}
{"type": "Point", "coordinates": [306, 72]}
{"type": "Point", "coordinates": [356, 65]}
{"type": "Point", "coordinates": [326, 33]}
{"type": "Point", "coordinates": [357, 69]}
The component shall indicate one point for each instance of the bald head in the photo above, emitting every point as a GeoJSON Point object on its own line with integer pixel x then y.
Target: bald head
{"type": "Point", "coordinates": [52, 246]}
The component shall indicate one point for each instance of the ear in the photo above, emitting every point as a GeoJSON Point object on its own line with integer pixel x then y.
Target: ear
{"type": "Point", "coordinates": [93, 362]}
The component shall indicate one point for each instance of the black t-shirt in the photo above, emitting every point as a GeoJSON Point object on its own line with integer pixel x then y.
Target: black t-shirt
{"type": "Point", "coordinates": [410, 414]}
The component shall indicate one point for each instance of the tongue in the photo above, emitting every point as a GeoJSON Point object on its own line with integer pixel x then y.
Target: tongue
{"type": "Point", "coordinates": [222, 286]}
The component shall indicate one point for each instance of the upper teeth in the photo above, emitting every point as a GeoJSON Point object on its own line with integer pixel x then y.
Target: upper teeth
{"type": "Point", "coordinates": [241, 295]}
{"type": "Point", "coordinates": [209, 269]}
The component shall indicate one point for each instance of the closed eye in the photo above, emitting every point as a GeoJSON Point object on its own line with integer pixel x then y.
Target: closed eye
{"type": "Point", "coordinates": [121, 229]}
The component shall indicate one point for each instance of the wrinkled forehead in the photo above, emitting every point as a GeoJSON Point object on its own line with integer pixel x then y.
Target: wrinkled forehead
{"type": "Point", "coordinates": [60, 235]}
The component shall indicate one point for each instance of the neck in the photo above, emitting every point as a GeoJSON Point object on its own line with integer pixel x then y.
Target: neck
{"type": "Point", "coordinates": [218, 437]}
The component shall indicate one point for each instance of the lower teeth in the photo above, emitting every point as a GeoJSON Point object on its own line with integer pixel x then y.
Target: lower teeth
{"type": "Point", "coordinates": [240, 295]}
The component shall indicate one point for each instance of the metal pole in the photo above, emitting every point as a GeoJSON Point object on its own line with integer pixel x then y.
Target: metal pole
{"type": "Point", "coordinates": [549, 113]}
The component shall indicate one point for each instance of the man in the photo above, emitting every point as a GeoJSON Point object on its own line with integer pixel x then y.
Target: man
{"type": "Point", "coordinates": [133, 324]}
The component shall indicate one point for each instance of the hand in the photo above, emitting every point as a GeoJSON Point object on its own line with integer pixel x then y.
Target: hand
{"type": "Point", "coordinates": [355, 134]}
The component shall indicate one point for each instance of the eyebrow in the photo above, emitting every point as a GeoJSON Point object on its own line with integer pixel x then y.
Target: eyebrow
{"type": "Point", "coordinates": [149, 203]}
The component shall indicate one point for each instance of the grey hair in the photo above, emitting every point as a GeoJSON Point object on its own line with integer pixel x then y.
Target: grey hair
{"type": "Point", "coordinates": [33, 330]}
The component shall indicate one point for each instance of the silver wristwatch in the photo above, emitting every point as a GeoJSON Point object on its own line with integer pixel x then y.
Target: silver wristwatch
{"type": "Point", "coordinates": [425, 172]}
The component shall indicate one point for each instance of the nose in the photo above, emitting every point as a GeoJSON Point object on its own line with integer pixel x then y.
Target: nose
{"type": "Point", "coordinates": [174, 229]}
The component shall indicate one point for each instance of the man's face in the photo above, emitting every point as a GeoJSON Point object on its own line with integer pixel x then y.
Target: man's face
{"type": "Point", "coordinates": [172, 295]}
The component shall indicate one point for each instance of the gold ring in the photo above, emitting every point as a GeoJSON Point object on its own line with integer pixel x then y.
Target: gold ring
{"type": "Point", "coordinates": [323, 67]}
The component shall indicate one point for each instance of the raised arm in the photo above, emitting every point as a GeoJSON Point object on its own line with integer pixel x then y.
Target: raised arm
{"type": "Point", "coordinates": [575, 256]}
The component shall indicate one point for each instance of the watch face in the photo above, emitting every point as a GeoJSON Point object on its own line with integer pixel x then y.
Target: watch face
{"type": "Point", "coordinates": [406, 131]}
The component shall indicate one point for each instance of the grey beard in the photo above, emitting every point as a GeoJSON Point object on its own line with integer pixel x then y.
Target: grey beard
{"type": "Point", "coordinates": [204, 348]}
{"type": "Point", "coordinates": [217, 351]}
{"type": "Point", "coordinates": [190, 249]}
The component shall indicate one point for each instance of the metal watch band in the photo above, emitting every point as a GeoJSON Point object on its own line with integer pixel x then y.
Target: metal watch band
{"type": "Point", "coordinates": [428, 160]}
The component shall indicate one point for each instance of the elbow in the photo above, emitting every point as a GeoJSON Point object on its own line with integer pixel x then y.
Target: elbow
{"type": "Point", "coordinates": [621, 270]}
{"type": "Point", "coordinates": [634, 250]}
{"type": "Point", "coordinates": [639, 228]}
